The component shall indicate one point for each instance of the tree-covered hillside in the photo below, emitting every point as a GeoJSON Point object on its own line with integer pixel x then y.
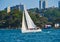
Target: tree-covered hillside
{"type": "Point", "coordinates": [53, 14]}
{"type": "Point", "coordinates": [14, 18]}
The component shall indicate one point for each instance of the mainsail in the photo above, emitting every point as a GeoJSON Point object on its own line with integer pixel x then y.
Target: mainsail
{"type": "Point", "coordinates": [29, 21]}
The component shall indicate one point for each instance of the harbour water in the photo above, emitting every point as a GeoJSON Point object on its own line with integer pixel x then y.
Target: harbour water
{"type": "Point", "coordinates": [47, 35]}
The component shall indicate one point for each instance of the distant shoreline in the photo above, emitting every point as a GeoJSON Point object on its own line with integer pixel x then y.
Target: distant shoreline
{"type": "Point", "coordinates": [20, 28]}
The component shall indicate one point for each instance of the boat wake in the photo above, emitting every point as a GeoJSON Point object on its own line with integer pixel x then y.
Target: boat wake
{"type": "Point", "coordinates": [46, 32]}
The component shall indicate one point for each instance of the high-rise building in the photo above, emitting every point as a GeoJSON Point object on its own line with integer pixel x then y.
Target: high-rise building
{"type": "Point", "coordinates": [18, 7]}
{"type": "Point", "coordinates": [59, 4]}
{"type": "Point", "coordinates": [42, 4]}
{"type": "Point", "coordinates": [21, 7]}
{"type": "Point", "coordinates": [15, 7]}
{"type": "Point", "coordinates": [46, 3]}
{"type": "Point", "coordinates": [8, 9]}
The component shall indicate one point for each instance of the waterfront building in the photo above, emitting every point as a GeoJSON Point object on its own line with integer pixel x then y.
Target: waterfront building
{"type": "Point", "coordinates": [57, 25]}
{"type": "Point", "coordinates": [48, 26]}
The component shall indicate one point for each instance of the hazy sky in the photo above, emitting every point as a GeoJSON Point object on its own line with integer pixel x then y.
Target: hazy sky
{"type": "Point", "coordinates": [27, 3]}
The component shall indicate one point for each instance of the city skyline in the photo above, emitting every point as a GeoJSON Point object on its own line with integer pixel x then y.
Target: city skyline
{"type": "Point", "coordinates": [28, 3]}
{"type": "Point", "coordinates": [18, 7]}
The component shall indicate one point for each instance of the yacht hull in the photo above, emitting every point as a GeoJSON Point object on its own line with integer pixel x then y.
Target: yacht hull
{"type": "Point", "coordinates": [27, 31]}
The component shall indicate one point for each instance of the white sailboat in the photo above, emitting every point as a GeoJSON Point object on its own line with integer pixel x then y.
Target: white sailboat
{"type": "Point", "coordinates": [27, 23]}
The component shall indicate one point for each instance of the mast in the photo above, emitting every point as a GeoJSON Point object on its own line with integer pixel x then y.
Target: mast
{"type": "Point", "coordinates": [23, 24]}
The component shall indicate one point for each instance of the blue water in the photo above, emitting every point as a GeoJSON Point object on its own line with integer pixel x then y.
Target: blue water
{"type": "Point", "coordinates": [47, 35]}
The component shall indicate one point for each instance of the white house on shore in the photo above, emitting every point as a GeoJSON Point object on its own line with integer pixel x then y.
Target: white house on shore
{"type": "Point", "coordinates": [56, 25]}
{"type": "Point", "coordinates": [48, 26]}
